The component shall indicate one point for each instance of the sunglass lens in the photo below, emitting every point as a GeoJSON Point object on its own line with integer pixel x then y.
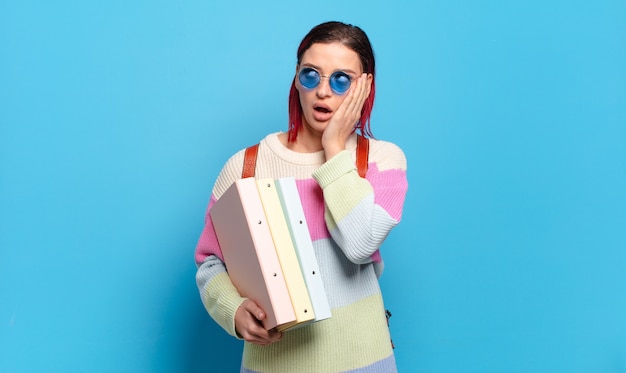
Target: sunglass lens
{"type": "Point", "coordinates": [309, 78]}
{"type": "Point", "coordinates": [340, 82]}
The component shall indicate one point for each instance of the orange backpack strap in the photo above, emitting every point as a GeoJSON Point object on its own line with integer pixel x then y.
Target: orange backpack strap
{"type": "Point", "coordinates": [362, 154]}
{"type": "Point", "coordinates": [249, 161]}
{"type": "Point", "coordinates": [362, 158]}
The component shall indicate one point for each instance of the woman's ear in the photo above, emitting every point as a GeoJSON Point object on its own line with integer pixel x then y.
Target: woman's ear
{"type": "Point", "coordinates": [370, 79]}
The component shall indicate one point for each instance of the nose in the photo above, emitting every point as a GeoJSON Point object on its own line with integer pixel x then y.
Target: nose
{"type": "Point", "coordinates": [323, 88]}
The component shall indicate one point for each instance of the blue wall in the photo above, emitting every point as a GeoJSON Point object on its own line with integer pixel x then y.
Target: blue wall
{"type": "Point", "coordinates": [116, 117]}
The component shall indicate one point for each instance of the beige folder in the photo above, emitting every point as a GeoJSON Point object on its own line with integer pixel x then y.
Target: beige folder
{"type": "Point", "coordinates": [286, 252]}
{"type": "Point", "coordinates": [249, 253]}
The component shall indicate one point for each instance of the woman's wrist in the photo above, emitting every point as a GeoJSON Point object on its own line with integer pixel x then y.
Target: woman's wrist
{"type": "Point", "coordinates": [332, 149]}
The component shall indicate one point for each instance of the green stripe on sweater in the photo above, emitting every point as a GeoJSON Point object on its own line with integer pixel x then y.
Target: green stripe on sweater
{"type": "Point", "coordinates": [345, 348]}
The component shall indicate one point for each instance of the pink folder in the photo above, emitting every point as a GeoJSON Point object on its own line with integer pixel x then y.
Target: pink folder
{"type": "Point", "coordinates": [249, 253]}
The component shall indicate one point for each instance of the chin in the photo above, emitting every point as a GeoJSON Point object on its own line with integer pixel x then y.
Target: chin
{"type": "Point", "coordinates": [315, 126]}
{"type": "Point", "coordinates": [318, 127]}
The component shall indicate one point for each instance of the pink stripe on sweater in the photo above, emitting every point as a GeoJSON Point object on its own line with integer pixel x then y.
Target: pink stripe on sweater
{"type": "Point", "coordinates": [313, 204]}
{"type": "Point", "coordinates": [390, 188]}
{"type": "Point", "coordinates": [207, 244]}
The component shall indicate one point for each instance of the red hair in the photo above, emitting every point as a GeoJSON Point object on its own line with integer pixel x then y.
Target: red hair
{"type": "Point", "coordinates": [352, 37]}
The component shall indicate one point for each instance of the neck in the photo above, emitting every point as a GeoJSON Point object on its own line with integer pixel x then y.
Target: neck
{"type": "Point", "coordinates": [306, 142]}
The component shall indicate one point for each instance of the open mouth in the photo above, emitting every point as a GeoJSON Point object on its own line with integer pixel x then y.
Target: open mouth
{"type": "Point", "coordinates": [321, 109]}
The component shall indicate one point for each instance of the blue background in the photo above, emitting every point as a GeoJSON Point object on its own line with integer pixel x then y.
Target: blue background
{"type": "Point", "coordinates": [117, 116]}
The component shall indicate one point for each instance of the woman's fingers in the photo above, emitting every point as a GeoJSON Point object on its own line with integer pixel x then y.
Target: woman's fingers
{"type": "Point", "coordinates": [350, 109]}
{"type": "Point", "coordinates": [248, 324]}
{"type": "Point", "coordinates": [351, 100]}
{"type": "Point", "coordinates": [358, 97]}
{"type": "Point", "coordinates": [345, 118]}
{"type": "Point", "coordinates": [255, 310]}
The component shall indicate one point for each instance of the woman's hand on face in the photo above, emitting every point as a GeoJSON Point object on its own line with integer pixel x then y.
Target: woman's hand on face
{"type": "Point", "coordinates": [346, 116]}
{"type": "Point", "coordinates": [248, 325]}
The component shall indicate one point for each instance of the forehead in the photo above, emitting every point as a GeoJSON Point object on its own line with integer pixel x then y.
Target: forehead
{"type": "Point", "coordinates": [331, 57]}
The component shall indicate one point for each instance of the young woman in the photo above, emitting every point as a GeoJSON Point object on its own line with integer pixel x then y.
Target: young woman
{"type": "Point", "coordinates": [348, 216]}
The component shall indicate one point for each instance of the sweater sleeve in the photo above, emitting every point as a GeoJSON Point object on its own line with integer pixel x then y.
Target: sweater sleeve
{"type": "Point", "coordinates": [360, 212]}
{"type": "Point", "coordinates": [219, 296]}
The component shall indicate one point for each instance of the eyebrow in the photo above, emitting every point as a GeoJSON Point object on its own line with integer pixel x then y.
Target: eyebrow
{"type": "Point", "coordinates": [319, 68]}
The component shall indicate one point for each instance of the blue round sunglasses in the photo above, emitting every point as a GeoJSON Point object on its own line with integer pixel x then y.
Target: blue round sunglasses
{"type": "Point", "coordinates": [339, 81]}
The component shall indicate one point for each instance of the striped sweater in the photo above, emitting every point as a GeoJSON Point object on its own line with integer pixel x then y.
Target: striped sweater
{"type": "Point", "coordinates": [348, 219]}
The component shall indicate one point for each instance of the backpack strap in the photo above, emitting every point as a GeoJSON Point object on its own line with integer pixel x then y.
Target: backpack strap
{"type": "Point", "coordinates": [362, 158]}
{"type": "Point", "coordinates": [362, 154]}
{"type": "Point", "coordinates": [249, 161]}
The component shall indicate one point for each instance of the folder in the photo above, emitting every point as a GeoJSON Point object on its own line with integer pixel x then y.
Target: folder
{"type": "Point", "coordinates": [249, 253]}
{"type": "Point", "coordinates": [286, 253]}
{"type": "Point", "coordinates": [296, 221]}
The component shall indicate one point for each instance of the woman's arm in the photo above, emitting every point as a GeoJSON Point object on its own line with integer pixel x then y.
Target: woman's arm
{"type": "Point", "coordinates": [239, 316]}
{"type": "Point", "coordinates": [360, 212]}
{"type": "Point", "coordinates": [219, 296]}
